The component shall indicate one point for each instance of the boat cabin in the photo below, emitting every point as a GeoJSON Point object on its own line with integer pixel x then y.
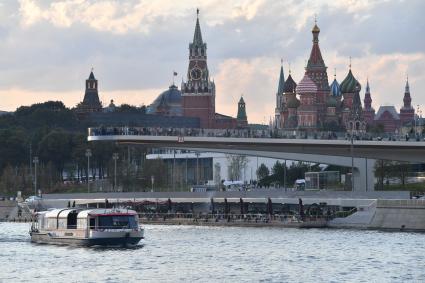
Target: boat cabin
{"type": "Point", "coordinates": [93, 219]}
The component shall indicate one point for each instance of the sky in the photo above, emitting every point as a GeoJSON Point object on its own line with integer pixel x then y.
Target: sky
{"type": "Point", "coordinates": [47, 48]}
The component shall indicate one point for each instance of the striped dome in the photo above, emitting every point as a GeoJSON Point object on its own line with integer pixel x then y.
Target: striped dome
{"type": "Point", "coordinates": [335, 89]}
{"type": "Point", "coordinates": [306, 86]}
{"type": "Point", "coordinates": [350, 84]}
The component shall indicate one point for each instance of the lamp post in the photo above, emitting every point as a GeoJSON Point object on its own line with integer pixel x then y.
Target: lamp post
{"type": "Point", "coordinates": [35, 161]}
{"type": "Point", "coordinates": [352, 158]}
{"type": "Point", "coordinates": [417, 124]}
{"type": "Point", "coordinates": [353, 126]}
{"type": "Point", "coordinates": [197, 168]}
{"type": "Point", "coordinates": [115, 157]}
{"type": "Point", "coordinates": [88, 155]}
{"type": "Point", "coordinates": [174, 170]}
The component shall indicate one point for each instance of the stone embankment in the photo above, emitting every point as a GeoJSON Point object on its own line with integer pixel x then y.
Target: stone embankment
{"type": "Point", "coordinates": [395, 215]}
{"type": "Point", "coordinates": [6, 209]}
{"type": "Point", "coordinates": [407, 215]}
{"type": "Point", "coordinates": [14, 211]}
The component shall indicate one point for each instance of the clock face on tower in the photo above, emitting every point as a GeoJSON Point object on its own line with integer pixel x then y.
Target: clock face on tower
{"type": "Point", "coordinates": [195, 74]}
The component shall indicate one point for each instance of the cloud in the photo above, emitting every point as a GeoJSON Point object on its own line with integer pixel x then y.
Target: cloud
{"type": "Point", "coordinates": [48, 47]}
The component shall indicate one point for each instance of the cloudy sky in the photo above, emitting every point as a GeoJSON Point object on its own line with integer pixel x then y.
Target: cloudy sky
{"type": "Point", "coordinates": [47, 48]}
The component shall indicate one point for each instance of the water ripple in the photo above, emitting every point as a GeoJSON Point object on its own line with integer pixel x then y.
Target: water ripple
{"type": "Point", "coordinates": [214, 254]}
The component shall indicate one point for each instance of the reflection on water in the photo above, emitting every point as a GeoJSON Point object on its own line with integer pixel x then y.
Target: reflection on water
{"type": "Point", "coordinates": [187, 254]}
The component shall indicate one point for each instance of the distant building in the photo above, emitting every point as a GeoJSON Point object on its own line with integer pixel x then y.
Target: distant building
{"type": "Point", "coordinates": [191, 168]}
{"type": "Point", "coordinates": [111, 107]}
{"type": "Point", "coordinates": [388, 117]}
{"type": "Point", "coordinates": [241, 117]}
{"type": "Point", "coordinates": [91, 102]}
{"type": "Point", "coordinates": [168, 103]}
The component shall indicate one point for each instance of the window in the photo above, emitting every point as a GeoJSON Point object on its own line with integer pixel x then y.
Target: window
{"type": "Point", "coordinates": [118, 222]}
{"type": "Point", "coordinates": [92, 223]}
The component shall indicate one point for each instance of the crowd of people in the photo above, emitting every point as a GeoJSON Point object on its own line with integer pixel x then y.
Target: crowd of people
{"type": "Point", "coordinates": [244, 133]}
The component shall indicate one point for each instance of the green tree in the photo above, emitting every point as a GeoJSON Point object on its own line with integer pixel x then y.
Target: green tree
{"type": "Point", "coordinates": [56, 147]}
{"type": "Point", "coordinates": [382, 171]}
{"type": "Point", "coordinates": [262, 172]}
{"type": "Point", "coordinates": [278, 171]}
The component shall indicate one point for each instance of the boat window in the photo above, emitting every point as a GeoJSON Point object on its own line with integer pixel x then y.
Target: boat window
{"type": "Point", "coordinates": [72, 220]}
{"type": "Point", "coordinates": [92, 223]}
{"type": "Point", "coordinates": [117, 222]}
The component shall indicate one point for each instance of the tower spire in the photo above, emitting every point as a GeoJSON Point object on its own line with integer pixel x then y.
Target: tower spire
{"type": "Point", "coordinates": [367, 86]}
{"type": "Point", "coordinates": [316, 60]}
{"type": "Point", "coordinates": [407, 88]}
{"type": "Point", "coordinates": [281, 86]}
{"type": "Point", "coordinates": [197, 36]}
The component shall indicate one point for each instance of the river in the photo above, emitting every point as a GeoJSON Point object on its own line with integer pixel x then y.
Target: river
{"type": "Point", "coordinates": [216, 254]}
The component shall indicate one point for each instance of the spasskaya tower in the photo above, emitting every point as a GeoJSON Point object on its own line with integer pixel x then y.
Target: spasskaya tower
{"type": "Point", "coordinates": [198, 92]}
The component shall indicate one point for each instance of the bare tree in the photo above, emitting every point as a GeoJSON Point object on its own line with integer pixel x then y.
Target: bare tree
{"type": "Point", "coordinates": [217, 173]}
{"type": "Point", "coordinates": [236, 165]}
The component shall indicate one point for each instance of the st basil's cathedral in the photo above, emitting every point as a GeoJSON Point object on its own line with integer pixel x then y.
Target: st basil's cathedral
{"type": "Point", "coordinates": [315, 105]}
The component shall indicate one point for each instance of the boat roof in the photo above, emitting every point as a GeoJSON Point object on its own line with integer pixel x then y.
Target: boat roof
{"type": "Point", "coordinates": [63, 212]}
{"type": "Point", "coordinates": [105, 212]}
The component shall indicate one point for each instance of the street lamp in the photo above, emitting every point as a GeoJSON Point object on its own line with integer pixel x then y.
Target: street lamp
{"type": "Point", "coordinates": [88, 155]}
{"type": "Point", "coordinates": [416, 121]}
{"type": "Point", "coordinates": [353, 128]}
{"type": "Point", "coordinates": [35, 161]}
{"type": "Point", "coordinates": [197, 167]}
{"type": "Point", "coordinates": [115, 157]}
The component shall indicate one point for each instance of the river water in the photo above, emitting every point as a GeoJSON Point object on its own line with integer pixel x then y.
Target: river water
{"type": "Point", "coordinates": [215, 254]}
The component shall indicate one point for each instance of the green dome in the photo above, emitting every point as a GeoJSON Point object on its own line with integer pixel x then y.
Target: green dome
{"type": "Point", "coordinates": [331, 101]}
{"type": "Point", "coordinates": [292, 102]}
{"type": "Point", "coordinates": [350, 84]}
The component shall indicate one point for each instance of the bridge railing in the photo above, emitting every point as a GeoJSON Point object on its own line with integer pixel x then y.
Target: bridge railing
{"type": "Point", "coordinates": [245, 133]}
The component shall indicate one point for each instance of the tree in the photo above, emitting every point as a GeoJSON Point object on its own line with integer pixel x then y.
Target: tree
{"type": "Point", "coordinates": [278, 172]}
{"type": "Point", "coordinates": [376, 129]}
{"type": "Point", "coordinates": [297, 171]}
{"type": "Point", "coordinates": [56, 147]}
{"type": "Point", "coordinates": [236, 166]}
{"type": "Point", "coordinates": [129, 109]}
{"type": "Point", "coordinates": [217, 173]}
{"type": "Point", "coordinates": [401, 169]}
{"type": "Point", "coordinates": [382, 172]}
{"type": "Point", "coordinates": [262, 171]}
{"type": "Point", "coordinates": [157, 169]}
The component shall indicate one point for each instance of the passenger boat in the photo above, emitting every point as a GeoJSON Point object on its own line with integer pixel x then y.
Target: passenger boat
{"type": "Point", "coordinates": [94, 227]}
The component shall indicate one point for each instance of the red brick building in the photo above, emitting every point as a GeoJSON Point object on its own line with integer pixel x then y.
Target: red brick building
{"type": "Point", "coordinates": [198, 92]}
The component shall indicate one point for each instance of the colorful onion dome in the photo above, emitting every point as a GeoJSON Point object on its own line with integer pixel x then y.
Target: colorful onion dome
{"type": "Point", "coordinates": [350, 84]}
{"type": "Point", "coordinates": [292, 102]}
{"type": "Point", "coordinates": [306, 86]}
{"type": "Point", "coordinates": [290, 85]}
{"type": "Point", "coordinates": [335, 88]}
{"type": "Point", "coordinates": [331, 101]}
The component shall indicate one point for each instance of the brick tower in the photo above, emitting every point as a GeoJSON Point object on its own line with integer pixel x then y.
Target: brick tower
{"type": "Point", "coordinates": [198, 92]}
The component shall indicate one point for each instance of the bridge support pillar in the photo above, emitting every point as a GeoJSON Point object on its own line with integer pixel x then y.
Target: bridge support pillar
{"type": "Point", "coordinates": [364, 175]}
